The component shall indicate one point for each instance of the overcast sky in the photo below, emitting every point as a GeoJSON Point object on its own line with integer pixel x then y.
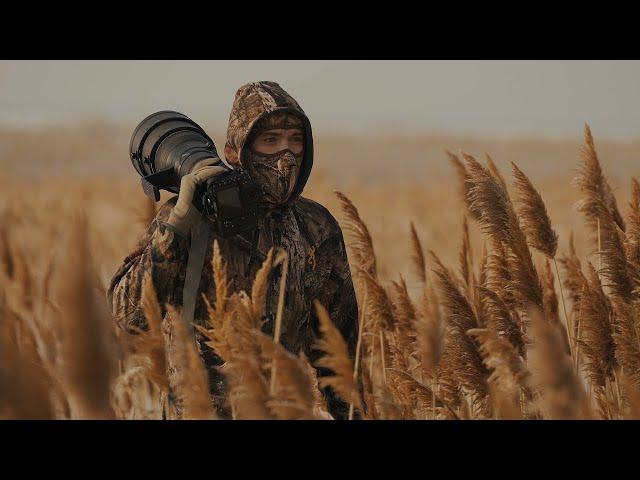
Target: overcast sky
{"type": "Point", "coordinates": [547, 98]}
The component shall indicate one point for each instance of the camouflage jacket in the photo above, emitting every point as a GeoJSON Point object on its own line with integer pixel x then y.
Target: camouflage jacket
{"type": "Point", "coordinates": [318, 266]}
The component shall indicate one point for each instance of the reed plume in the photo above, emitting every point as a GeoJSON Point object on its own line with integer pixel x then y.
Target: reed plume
{"type": "Point", "coordinates": [461, 354]}
{"type": "Point", "coordinates": [430, 334]}
{"type": "Point", "coordinates": [405, 314]}
{"type": "Point", "coordinates": [232, 333]}
{"type": "Point", "coordinates": [495, 171]}
{"type": "Point", "coordinates": [23, 279]}
{"type": "Point", "coordinates": [220, 279]}
{"type": "Point", "coordinates": [221, 334]}
{"type": "Point", "coordinates": [631, 397]}
{"type": "Point", "coordinates": [425, 354]}
{"type": "Point", "coordinates": [368, 397]}
{"type": "Point", "coordinates": [497, 274]}
{"type": "Point", "coordinates": [596, 338]}
{"type": "Point", "coordinates": [466, 258]}
{"type": "Point", "coordinates": [551, 311]}
{"type": "Point", "coordinates": [401, 390]}
{"type": "Point", "coordinates": [6, 258]}
{"type": "Point", "coordinates": [488, 202]}
{"type": "Point", "coordinates": [633, 227]}
{"type": "Point", "coordinates": [424, 395]}
{"type": "Point", "coordinates": [336, 358]}
{"type": "Point", "coordinates": [319, 403]}
{"type": "Point", "coordinates": [597, 193]}
{"type": "Point", "coordinates": [574, 279]}
{"type": "Point", "coordinates": [417, 255]}
{"type": "Point", "coordinates": [84, 357]}
{"type": "Point", "coordinates": [386, 407]}
{"type": "Point", "coordinates": [215, 333]}
{"type": "Point", "coordinates": [293, 395]}
{"type": "Point", "coordinates": [248, 389]}
{"type": "Point", "coordinates": [361, 243]}
{"type": "Point", "coordinates": [632, 245]}
{"type": "Point", "coordinates": [498, 219]}
{"type": "Point", "coordinates": [191, 380]}
{"type": "Point", "coordinates": [627, 339]}
{"type": "Point", "coordinates": [483, 266]}
{"type": "Point", "coordinates": [240, 325]}
{"type": "Point", "coordinates": [461, 314]}
{"type": "Point", "coordinates": [508, 371]}
{"type": "Point", "coordinates": [534, 219]}
{"type": "Point", "coordinates": [152, 340]}
{"type": "Point", "coordinates": [502, 320]}
{"type": "Point", "coordinates": [260, 286]}
{"type": "Point", "coordinates": [378, 307]}
{"type": "Point", "coordinates": [562, 396]}
{"type": "Point", "coordinates": [463, 181]}
{"type": "Point", "coordinates": [24, 383]}
{"type": "Point", "coordinates": [617, 272]}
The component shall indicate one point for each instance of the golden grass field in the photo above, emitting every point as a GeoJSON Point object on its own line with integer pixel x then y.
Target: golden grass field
{"type": "Point", "coordinates": [53, 180]}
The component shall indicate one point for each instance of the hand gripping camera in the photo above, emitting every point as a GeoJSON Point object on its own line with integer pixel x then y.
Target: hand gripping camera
{"type": "Point", "coordinates": [166, 145]}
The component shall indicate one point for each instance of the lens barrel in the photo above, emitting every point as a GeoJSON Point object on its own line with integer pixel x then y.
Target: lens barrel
{"type": "Point", "coordinates": [165, 146]}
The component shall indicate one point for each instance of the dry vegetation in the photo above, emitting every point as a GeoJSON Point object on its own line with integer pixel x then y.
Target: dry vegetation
{"type": "Point", "coordinates": [507, 322]}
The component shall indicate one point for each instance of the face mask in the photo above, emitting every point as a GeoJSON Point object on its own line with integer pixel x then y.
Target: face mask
{"type": "Point", "coordinates": [275, 173]}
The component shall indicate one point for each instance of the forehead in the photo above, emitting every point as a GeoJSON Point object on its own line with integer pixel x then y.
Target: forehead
{"type": "Point", "coordinates": [277, 131]}
{"type": "Point", "coordinates": [279, 120]}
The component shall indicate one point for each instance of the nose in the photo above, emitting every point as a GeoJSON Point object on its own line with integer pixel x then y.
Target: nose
{"type": "Point", "coordinates": [287, 162]}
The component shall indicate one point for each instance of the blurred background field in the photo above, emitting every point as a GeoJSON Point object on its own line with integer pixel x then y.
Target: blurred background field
{"type": "Point", "coordinates": [392, 178]}
{"type": "Point", "coordinates": [381, 129]}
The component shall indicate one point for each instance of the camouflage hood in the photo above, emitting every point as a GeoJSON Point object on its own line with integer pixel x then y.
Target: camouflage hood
{"type": "Point", "coordinates": [253, 102]}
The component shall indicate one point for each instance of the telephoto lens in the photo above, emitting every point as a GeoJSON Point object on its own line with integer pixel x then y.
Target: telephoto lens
{"type": "Point", "coordinates": [164, 147]}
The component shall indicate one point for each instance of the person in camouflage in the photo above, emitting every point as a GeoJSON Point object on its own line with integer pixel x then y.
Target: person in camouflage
{"type": "Point", "coordinates": [270, 136]}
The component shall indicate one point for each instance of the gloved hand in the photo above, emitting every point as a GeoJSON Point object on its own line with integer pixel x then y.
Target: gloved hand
{"type": "Point", "coordinates": [184, 215]}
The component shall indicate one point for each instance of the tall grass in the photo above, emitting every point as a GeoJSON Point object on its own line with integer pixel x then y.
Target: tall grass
{"type": "Point", "coordinates": [504, 333]}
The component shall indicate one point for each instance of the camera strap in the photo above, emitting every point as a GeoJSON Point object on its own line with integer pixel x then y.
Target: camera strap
{"type": "Point", "coordinates": [197, 252]}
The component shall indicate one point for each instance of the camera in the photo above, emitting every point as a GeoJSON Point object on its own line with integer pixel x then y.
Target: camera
{"type": "Point", "coordinates": [166, 145]}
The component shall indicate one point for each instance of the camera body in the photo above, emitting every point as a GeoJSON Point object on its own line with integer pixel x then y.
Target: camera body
{"type": "Point", "coordinates": [166, 145]}
{"type": "Point", "coordinates": [231, 201]}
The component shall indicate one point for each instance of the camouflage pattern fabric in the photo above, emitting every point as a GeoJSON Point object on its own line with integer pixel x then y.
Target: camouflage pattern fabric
{"type": "Point", "coordinates": [318, 266]}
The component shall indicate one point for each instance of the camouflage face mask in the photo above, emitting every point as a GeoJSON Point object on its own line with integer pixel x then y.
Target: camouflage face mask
{"type": "Point", "coordinates": [276, 173]}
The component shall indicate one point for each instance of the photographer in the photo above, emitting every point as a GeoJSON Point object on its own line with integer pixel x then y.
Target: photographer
{"type": "Point", "coordinates": [269, 136]}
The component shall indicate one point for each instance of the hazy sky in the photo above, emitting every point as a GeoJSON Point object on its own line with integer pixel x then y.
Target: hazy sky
{"type": "Point", "coordinates": [549, 98]}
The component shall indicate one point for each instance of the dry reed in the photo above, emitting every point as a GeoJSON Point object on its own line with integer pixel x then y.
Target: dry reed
{"type": "Point", "coordinates": [480, 340]}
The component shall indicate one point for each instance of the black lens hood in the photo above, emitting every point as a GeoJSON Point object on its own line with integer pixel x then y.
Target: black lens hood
{"type": "Point", "coordinates": [165, 146]}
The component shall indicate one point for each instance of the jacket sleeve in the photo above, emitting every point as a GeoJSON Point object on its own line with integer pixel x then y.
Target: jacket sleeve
{"type": "Point", "coordinates": [343, 307]}
{"type": "Point", "coordinates": [162, 251]}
